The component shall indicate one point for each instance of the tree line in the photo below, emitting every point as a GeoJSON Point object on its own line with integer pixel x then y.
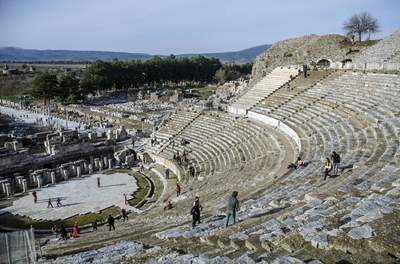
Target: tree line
{"type": "Point", "coordinates": [122, 75]}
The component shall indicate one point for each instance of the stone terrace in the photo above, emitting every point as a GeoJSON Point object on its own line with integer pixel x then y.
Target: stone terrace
{"type": "Point", "coordinates": [273, 81]}
{"type": "Point", "coordinates": [386, 50]}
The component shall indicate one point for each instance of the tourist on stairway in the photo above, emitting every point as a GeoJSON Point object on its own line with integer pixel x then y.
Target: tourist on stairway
{"type": "Point", "coordinates": [124, 215]}
{"type": "Point", "coordinates": [54, 230]}
{"type": "Point", "coordinates": [195, 212]}
{"type": "Point", "coordinates": [76, 231]}
{"type": "Point", "coordinates": [63, 232]}
{"type": "Point", "coordinates": [198, 204]}
{"type": "Point", "coordinates": [94, 225]}
{"type": "Point", "coordinates": [232, 207]}
{"type": "Point", "coordinates": [336, 162]}
{"type": "Point", "coordinates": [110, 221]}
{"type": "Point", "coordinates": [178, 189]}
{"type": "Point", "coordinates": [327, 168]}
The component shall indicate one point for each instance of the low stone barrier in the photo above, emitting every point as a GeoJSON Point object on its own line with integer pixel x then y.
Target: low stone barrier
{"type": "Point", "coordinates": [278, 124]}
{"type": "Point", "coordinates": [169, 164]}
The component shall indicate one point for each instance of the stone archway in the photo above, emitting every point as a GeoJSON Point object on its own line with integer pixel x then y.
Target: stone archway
{"type": "Point", "coordinates": [346, 61]}
{"type": "Point", "coordinates": [324, 63]}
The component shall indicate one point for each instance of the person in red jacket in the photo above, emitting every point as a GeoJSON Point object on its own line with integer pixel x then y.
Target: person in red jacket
{"type": "Point", "coordinates": [76, 231]}
{"type": "Point", "coordinates": [178, 189]}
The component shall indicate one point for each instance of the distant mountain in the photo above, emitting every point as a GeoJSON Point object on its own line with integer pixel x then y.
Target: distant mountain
{"type": "Point", "coordinates": [19, 54]}
{"type": "Point", "coordinates": [241, 56]}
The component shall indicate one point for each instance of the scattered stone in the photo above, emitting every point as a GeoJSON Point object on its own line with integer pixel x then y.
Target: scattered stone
{"type": "Point", "coordinates": [361, 232]}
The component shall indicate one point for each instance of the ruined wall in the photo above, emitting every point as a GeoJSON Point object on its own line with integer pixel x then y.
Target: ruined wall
{"type": "Point", "coordinates": [294, 51]}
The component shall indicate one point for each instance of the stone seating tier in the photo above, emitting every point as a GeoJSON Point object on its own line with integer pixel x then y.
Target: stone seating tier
{"type": "Point", "coordinates": [384, 51]}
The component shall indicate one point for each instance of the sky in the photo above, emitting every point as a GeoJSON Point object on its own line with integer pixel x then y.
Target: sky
{"type": "Point", "coordinates": [178, 26]}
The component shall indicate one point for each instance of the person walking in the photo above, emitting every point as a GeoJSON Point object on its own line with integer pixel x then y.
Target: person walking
{"type": "Point", "coordinates": [198, 204]}
{"type": "Point", "coordinates": [94, 225]}
{"type": "Point", "coordinates": [34, 194]}
{"type": "Point", "coordinates": [125, 199]}
{"type": "Point", "coordinates": [76, 231]}
{"type": "Point", "coordinates": [110, 221]}
{"type": "Point", "coordinates": [59, 202]}
{"type": "Point", "coordinates": [178, 189]}
{"type": "Point", "coordinates": [49, 203]}
{"type": "Point", "coordinates": [327, 168]}
{"type": "Point", "coordinates": [98, 182]}
{"type": "Point", "coordinates": [124, 215]}
{"type": "Point", "coordinates": [232, 207]}
{"type": "Point", "coordinates": [54, 230]}
{"type": "Point", "coordinates": [305, 68]}
{"type": "Point", "coordinates": [336, 162]}
{"type": "Point", "coordinates": [63, 232]}
{"type": "Point", "coordinates": [195, 212]}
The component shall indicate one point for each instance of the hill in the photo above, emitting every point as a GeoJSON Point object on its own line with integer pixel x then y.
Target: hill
{"type": "Point", "coordinates": [242, 56]}
{"type": "Point", "coordinates": [19, 54]}
{"type": "Point", "coordinates": [306, 49]}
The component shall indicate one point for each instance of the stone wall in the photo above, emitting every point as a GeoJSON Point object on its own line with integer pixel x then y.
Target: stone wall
{"type": "Point", "coordinates": [297, 51]}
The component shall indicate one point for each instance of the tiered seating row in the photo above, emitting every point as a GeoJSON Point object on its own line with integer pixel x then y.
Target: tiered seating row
{"type": "Point", "coordinates": [354, 114]}
{"type": "Point", "coordinates": [217, 143]}
{"type": "Point", "coordinates": [385, 50]}
{"type": "Point", "coordinates": [262, 89]}
{"type": "Point", "coordinates": [178, 121]}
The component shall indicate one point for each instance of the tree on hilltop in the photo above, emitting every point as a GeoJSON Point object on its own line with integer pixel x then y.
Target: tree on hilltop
{"type": "Point", "coordinates": [361, 23]}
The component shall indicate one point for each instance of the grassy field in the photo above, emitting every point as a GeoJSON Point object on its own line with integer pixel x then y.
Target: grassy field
{"type": "Point", "coordinates": [16, 221]}
{"type": "Point", "coordinates": [141, 193]}
{"type": "Point", "coordinates": [204, 92]}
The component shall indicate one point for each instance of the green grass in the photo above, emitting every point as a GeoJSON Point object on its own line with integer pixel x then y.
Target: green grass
{"type": "Point", "coordinates": [158, 185]}
{"type": "Point", "coordinates": [141, 193]}
{"type": "Point", "coordinates": [359, 44]}
{"type": "Point", "coordinates": [204, 92]}
{"type": "Point", "coordinates": [17, 221]}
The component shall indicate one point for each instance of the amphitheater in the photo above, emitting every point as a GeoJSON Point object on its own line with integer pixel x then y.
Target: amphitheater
{"type": "Point", "coordinates": [286, 216]}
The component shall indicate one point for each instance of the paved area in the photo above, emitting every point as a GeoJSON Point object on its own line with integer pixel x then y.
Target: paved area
{"type": "Point", "coordinates": [39, 118]}
{"type": "Point", "coordinates": [78, 196]}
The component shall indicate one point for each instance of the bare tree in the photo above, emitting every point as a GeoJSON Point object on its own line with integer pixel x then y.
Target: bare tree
{"type": "Point", "coordinates": [361, 23]}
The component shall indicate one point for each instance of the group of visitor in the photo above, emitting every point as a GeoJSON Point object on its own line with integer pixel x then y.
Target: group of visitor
{"type": "Point", "coordinates": [50, 204]}
{"type": "Point", "coordinates": [331, 164]}
{"type": "Point", "coordinates": [231, 208]}
{"type": "Point", "coordinates": [182, 160]}
{"type": "Point", "coordinates": [75, 231]}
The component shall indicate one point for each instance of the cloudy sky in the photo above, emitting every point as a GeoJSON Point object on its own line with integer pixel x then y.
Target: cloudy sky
{"type": "Point", "coordinates": [178, 26]}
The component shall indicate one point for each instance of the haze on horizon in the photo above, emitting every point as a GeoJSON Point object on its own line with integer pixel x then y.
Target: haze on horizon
{"type": "Point", "coordinates": [178, 26]}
